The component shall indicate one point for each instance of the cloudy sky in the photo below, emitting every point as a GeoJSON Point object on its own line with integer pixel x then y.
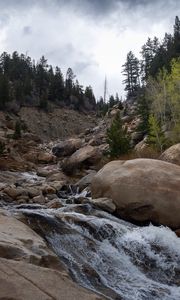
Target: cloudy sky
{"type": "Point", "coordinates": [90, 36]}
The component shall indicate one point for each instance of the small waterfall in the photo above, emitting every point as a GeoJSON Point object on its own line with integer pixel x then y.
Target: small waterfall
{"type": "Point", "coordinates": [110, 256]}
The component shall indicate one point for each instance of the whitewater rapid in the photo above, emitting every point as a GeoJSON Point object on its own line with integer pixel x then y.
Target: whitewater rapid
{"type": "Point", "coordinates": [110, 256]}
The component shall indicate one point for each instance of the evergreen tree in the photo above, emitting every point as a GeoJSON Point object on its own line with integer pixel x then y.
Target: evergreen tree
{"type": "Point", "coordinates": [117, 138]}
{"type": "Point", "coordinates": [131, 70]}
{"type": "Point", "coordinates": [69, 81]}
{"type": "Point", "coordinates": [17, 132]}
{"type": "Point", "coordinates": [4, 91]}
{"type": "Point", "coordinates": [112, 101]}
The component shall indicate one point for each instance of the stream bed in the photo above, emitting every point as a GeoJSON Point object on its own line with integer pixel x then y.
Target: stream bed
{"type": "Point", "coordinates": [110, 256]}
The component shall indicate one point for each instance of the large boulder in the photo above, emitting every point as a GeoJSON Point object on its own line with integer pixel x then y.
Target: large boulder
{"type": "Point", "coordinates": [88, 155]}
{"type": "Point", "coordinates": [172, 154]}
{"type": "Point", "coordinates": [143, 190]}
{"type": "Point", "coordinates": [66, 148]}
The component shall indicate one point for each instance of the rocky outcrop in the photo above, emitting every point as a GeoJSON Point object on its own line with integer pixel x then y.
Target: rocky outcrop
{"type": "Point", "coordinates": [143, 190]}
{"type": "Point", "coordinates": [172, 154]}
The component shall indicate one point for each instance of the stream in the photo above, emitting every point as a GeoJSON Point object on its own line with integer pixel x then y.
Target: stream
{"type": "Point", "coordinates": [110, 256]}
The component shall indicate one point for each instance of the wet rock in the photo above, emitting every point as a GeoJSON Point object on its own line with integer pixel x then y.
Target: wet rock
{"type": "Point", "coordinates": [143, 190]}
{"type": "Point", "coordinates": [172, 154]}
{"type": "Point", "coordinates": [55, 203]}
{"type": "Point", "coordinates": [29, 270]}
{"type": "Point", "coordinates": [104, 204]}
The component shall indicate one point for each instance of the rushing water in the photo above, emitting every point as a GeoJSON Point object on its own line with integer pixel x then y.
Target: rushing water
{"type": "Point", "coordinates": [110, 256]}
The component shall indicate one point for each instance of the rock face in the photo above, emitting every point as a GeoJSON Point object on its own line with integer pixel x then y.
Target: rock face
{"type": "Point", "coordinates": [143, 190]}
{"type": "Point", "coordinates": [29, 270]}
{"type": "Point", "coordinates": [172, 154]}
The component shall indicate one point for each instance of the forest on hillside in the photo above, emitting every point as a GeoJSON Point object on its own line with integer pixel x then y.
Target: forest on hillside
{"type": "Point", "coordinates": [153, 85]}
{"type": "Point", "coordinates": [25, 82]}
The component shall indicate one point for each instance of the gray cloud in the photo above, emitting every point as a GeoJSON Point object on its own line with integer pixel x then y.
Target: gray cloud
{"type": "Point", "coordinates": [91, 36]}
{"type": "Point", "coordinates": [27, 30]}
{"type": "Point", "coordinates": [96, 7]}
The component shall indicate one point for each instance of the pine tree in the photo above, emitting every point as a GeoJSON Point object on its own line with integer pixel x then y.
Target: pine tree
{"type": "Point", "coordinates": [131, 70]}
{"type": "Point", "coordinates": [4, 91]}
{"type": "Point", "coordinates": [117, 138]}
{"type": "Point", "coordinates": [17, 132]}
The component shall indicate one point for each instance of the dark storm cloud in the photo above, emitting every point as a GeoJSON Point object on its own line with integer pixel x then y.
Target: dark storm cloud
{"type": "Point", "coordinates": [93, 7]}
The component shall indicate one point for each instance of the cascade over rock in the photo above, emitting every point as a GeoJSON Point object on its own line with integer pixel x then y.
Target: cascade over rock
{"type": "Point", "coordinates": [143, 190]}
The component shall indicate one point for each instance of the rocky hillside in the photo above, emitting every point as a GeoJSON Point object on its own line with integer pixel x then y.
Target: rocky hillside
{"type": "Point", "coordinates": [58, 123]}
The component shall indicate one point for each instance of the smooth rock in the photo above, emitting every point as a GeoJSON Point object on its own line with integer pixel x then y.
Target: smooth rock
{"type": "Point", "coordinates": [19, 242]}
{"type": "Point", "coordinates": [23, 281]}
{"type": "Point", "coordinates": [143, 190]}
{"type": "Point", "coordinates": [172, 154]}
